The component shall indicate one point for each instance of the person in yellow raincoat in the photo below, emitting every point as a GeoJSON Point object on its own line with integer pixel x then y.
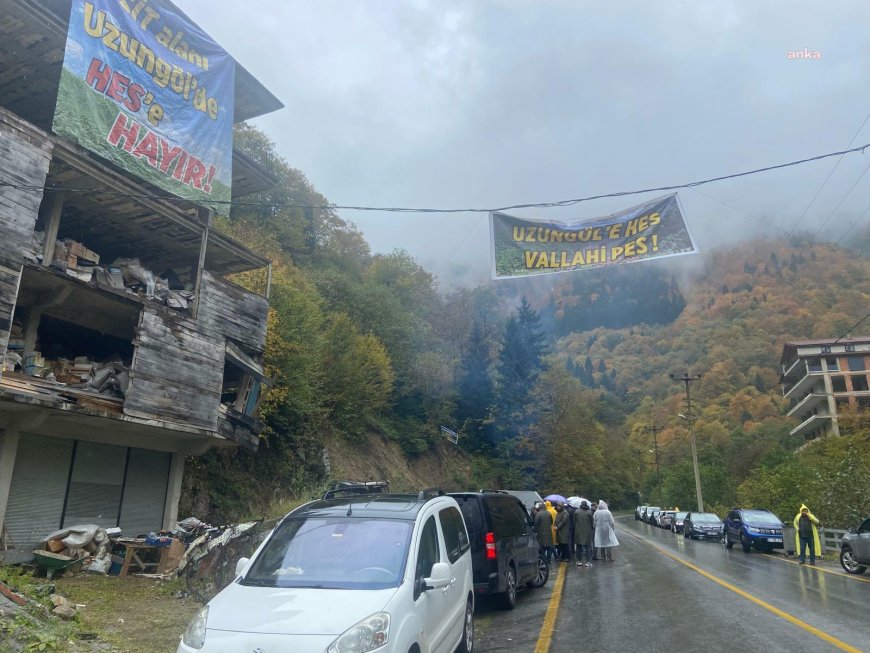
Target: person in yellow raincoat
{"type": "Point", "coordinates": [807, 535]}
{"type": "Point", "coordinates": [552, 511]}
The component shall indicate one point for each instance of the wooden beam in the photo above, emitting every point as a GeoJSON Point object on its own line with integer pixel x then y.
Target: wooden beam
{"type": "Point", "coordinates": [54, 206]}
{"type": "Point", "coordinates": [207, 216]}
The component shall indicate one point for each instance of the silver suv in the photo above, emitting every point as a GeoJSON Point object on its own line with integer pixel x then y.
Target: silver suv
{"type": "Point", "coordinates": [855, 549]}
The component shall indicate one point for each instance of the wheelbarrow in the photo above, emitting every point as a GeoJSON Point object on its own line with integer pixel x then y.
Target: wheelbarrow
{"type": "Point", "coordinates": [54, 562]}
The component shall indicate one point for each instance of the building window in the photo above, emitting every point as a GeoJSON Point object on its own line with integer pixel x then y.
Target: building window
{"type": "Point", "coordinates": [814, 365]}
{"type": "Point", "coordinates": [850, 347]}
{"type": "Point", "coordinates": [856, 363]}
{"type": "Point", "coordinates": [859, 384]}
{"type": "Point", "coordinates": [825, 349]}
{"type": "Point", "coordinates": [832, 364]}
{"type": "Point", "coordinates": [838, 384]}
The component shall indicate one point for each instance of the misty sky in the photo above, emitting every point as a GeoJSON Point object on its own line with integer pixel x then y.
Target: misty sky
{"type": "Point", "coordinates": [452, 103]}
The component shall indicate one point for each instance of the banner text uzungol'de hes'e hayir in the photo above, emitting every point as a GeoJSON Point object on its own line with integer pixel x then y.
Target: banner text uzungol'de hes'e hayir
{"type": "Point", "coordinates": [149, 90]}
{"type": "Point", "coordinates": [521, 247]}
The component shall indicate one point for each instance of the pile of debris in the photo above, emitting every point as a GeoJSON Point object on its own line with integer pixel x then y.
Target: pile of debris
{"type": "Point", "coordinates": [124, 274]}
{"type": "Point", "coordinates": [75, 547]}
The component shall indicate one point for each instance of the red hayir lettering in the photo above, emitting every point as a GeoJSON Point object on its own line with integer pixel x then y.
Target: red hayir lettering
{"type": "Point", "coordinates": [168, 155]}
{"type": "Point", "coordinates": [194, 172]}
{"type": "Point", "coordinates": [122, 129]}
{"type": "Point", "coordinates": [147, 149]}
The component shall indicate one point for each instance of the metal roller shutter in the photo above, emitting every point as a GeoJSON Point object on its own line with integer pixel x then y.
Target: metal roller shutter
{"type": "Point", "coordinates": [38, 487]}
{"type": "Point", "coordinates": [144, 492]}
{"type": "Point", "coordinates": [95, 485]}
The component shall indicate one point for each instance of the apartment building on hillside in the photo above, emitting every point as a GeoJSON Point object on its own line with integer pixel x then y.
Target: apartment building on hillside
{"type": "Point", "coordinates": [124, 347]}
{"type": "Point", "coordinates": [820, 378]}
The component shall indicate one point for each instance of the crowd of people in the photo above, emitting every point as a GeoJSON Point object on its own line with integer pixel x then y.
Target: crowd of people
{"type": "Point", "coordinates": [584, 533]}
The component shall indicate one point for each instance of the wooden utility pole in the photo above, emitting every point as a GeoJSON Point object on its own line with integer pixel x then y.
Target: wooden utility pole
{"type": "Point", "coordinates": [654, 430]}
{"type": "Point", "coordinates": [690, 418]}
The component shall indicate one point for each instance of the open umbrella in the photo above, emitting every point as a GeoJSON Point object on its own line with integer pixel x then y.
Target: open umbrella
{"type": "Point", "coordinates": [555, 498]}
{"type": "Point", "coordinates": [575, 502]}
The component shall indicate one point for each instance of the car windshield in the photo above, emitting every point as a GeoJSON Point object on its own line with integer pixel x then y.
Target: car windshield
{"type": "Point", "coordinates": [760, 517]}
{"type": "Point", "coordinates": [705, 517]}
{"type": "Point", "coordinates": [680, 515]}
{"type": "Point", "coordinates": [333, 553]}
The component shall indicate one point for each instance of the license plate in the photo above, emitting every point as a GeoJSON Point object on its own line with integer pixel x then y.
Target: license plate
{"type": "Point", "coordinates": [774, 539]}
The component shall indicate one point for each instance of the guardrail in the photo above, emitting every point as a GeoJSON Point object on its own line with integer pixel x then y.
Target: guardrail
{"type": "Point", "coordinates": [830, 539]}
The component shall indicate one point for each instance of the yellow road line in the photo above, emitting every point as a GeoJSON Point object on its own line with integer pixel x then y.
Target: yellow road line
{"type": "Point", "coordinates": [843, 646]}
{"type": "Point", "coordinates": [545, 637]}
{"type": "Point", "coordinates": [814, 567]}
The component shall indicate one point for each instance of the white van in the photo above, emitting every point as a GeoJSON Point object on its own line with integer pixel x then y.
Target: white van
{"type": "Point", "coordinates": [383, 572]}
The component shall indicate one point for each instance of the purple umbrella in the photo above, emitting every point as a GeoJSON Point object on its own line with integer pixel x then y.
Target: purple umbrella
{"type": "Point", "coordinates": [555, 498]}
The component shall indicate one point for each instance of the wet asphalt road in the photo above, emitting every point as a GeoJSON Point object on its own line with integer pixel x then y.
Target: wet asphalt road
{"type": "Point", "coordinates": [646, 601]}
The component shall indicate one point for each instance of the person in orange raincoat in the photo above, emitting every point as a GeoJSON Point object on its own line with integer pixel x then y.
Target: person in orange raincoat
{"type": "Point", "coordinates": [807, 535]}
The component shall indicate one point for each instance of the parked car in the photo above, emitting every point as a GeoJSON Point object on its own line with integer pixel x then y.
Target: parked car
{"type": "Point", "coordinates": [679, 518]}
{"type": "Point", "coordinates": [504, 547]}
{"type": "Point", "coordinates": [638, 513]}
{"type": "Point", "coordinates": [855, 549]}
{"type": "Point", "coordinates": [664, 518]}
{"type": "Point", "coordinates": [702, 525]}
{"type": "Point", "coordinates": [393, 571]}
{"type": "Point", "coordinates": [651, 513]}
{"type": "Point", "coordinates": [758, 528]}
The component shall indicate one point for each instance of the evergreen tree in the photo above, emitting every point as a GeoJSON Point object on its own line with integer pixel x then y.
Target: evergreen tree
{"type": "Point", "coordinates": [476, 390]}
{"type": "Point", "coordinates": [520, 363]}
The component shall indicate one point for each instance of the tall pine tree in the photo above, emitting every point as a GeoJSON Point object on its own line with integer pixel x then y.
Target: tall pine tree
{"type": "Point", "coordinates": [476, 389]}
{"type": "Point", "coordinates": [520, 363]}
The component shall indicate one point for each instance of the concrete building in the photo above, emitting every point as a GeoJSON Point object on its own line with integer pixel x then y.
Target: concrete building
{"type": "Point", "coordinates": [820, 378]}
{"type": "Point", "coordinates": [112, 371]}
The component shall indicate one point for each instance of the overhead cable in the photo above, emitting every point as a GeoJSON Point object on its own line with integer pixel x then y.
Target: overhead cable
{"type": "Point", "coordinates": [394, 209]}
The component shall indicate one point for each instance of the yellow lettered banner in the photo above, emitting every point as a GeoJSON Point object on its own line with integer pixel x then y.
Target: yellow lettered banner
{"type": "Point", "coordinates": [522, 247]}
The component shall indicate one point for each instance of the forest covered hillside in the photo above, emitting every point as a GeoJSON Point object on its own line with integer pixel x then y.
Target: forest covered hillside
{"type": "Point", "coordinates": [552, 383]}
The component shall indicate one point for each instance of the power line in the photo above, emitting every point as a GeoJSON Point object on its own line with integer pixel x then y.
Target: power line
{"type": "Point", "coordinates": [394, 209]}
{"type": "Point", "coordinates": [849, 192]}
{"type": "Point", "coordinates": [824, 183]}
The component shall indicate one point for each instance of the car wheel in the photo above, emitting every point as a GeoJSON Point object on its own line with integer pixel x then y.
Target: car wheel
{"type": "Point", "coordinates": [542, 574]}
{"type": "Point", "coordinates": [509, 596]}
{"type": "Point", "coordinates": [745, 543]}
{"type": "Point", "coordinates": [847, 562]}
{"type": "Point", "coordinates": [467, 643]}
{"type": "Point", "coordinates": [727, 541]}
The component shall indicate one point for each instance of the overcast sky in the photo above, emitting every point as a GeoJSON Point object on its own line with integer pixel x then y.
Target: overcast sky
{"type": "Point", "coordinates": [455, 103]}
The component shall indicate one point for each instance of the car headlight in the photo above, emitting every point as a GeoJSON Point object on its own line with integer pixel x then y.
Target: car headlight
{"type": "Point", "coordinates": [367, 635]}
{"type": "Point", "coordinates": [194, 634]}
{"type": "Point", "coordinates": [752, 529]}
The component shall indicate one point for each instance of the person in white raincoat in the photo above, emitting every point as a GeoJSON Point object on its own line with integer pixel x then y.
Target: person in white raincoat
{"type": "Point", "coordinates": [605, 537]}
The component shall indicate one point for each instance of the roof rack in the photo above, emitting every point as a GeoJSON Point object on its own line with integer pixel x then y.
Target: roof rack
{"type": "Point", "coordinates": [430, 493]}
{"type": "Point", "coordinates": [354, 488]}
{"type": "Point", "coordinates": [499, 491]}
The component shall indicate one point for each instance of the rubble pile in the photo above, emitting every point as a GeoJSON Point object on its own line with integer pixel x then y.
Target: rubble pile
{"type": "Point", "coordinates": [124, 274]}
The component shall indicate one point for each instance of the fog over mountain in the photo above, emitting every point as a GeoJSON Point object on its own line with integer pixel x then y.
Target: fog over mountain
{"type": "Point", "coordinates": [457, 104]}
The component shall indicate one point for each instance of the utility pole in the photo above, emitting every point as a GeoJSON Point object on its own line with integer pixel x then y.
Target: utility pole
{"type": "Point", "coordinates": [640, 469]}
{"type": "Point", "coordinates": [654, 430]}
{"type": "Point", "coordinates": [690, 417]}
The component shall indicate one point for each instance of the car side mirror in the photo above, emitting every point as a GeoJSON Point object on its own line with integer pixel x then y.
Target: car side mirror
{"type": "Point", "coordinates": [439, 577]}
{"type": "Point", "coordinates": [241, 564]}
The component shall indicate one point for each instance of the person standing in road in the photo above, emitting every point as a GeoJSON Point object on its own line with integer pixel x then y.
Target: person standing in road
{"type": "Point", "coordinates": [583, 534]}
{"type": "Point", "coordinates": [605, 536]}
{"type": "Point", "coordinates": [563, 535]}
{"type": "Point", "coordinates": [807, 535]}
{"type": "Point", "coordinates": [552, 511]}
{"type": "Point", "coordinates": [544, 532]}
{"type": "Point", "coordinates": [592, 509]}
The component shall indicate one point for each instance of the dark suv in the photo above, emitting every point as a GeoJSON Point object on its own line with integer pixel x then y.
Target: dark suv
{"type": "Point", "coordinates": [504, 548]}
{"type": "Point", "coordinates": [757, 528]}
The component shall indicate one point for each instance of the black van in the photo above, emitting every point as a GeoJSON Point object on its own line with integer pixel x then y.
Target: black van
{"type": "Point", "coordinates": [504, 548]}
